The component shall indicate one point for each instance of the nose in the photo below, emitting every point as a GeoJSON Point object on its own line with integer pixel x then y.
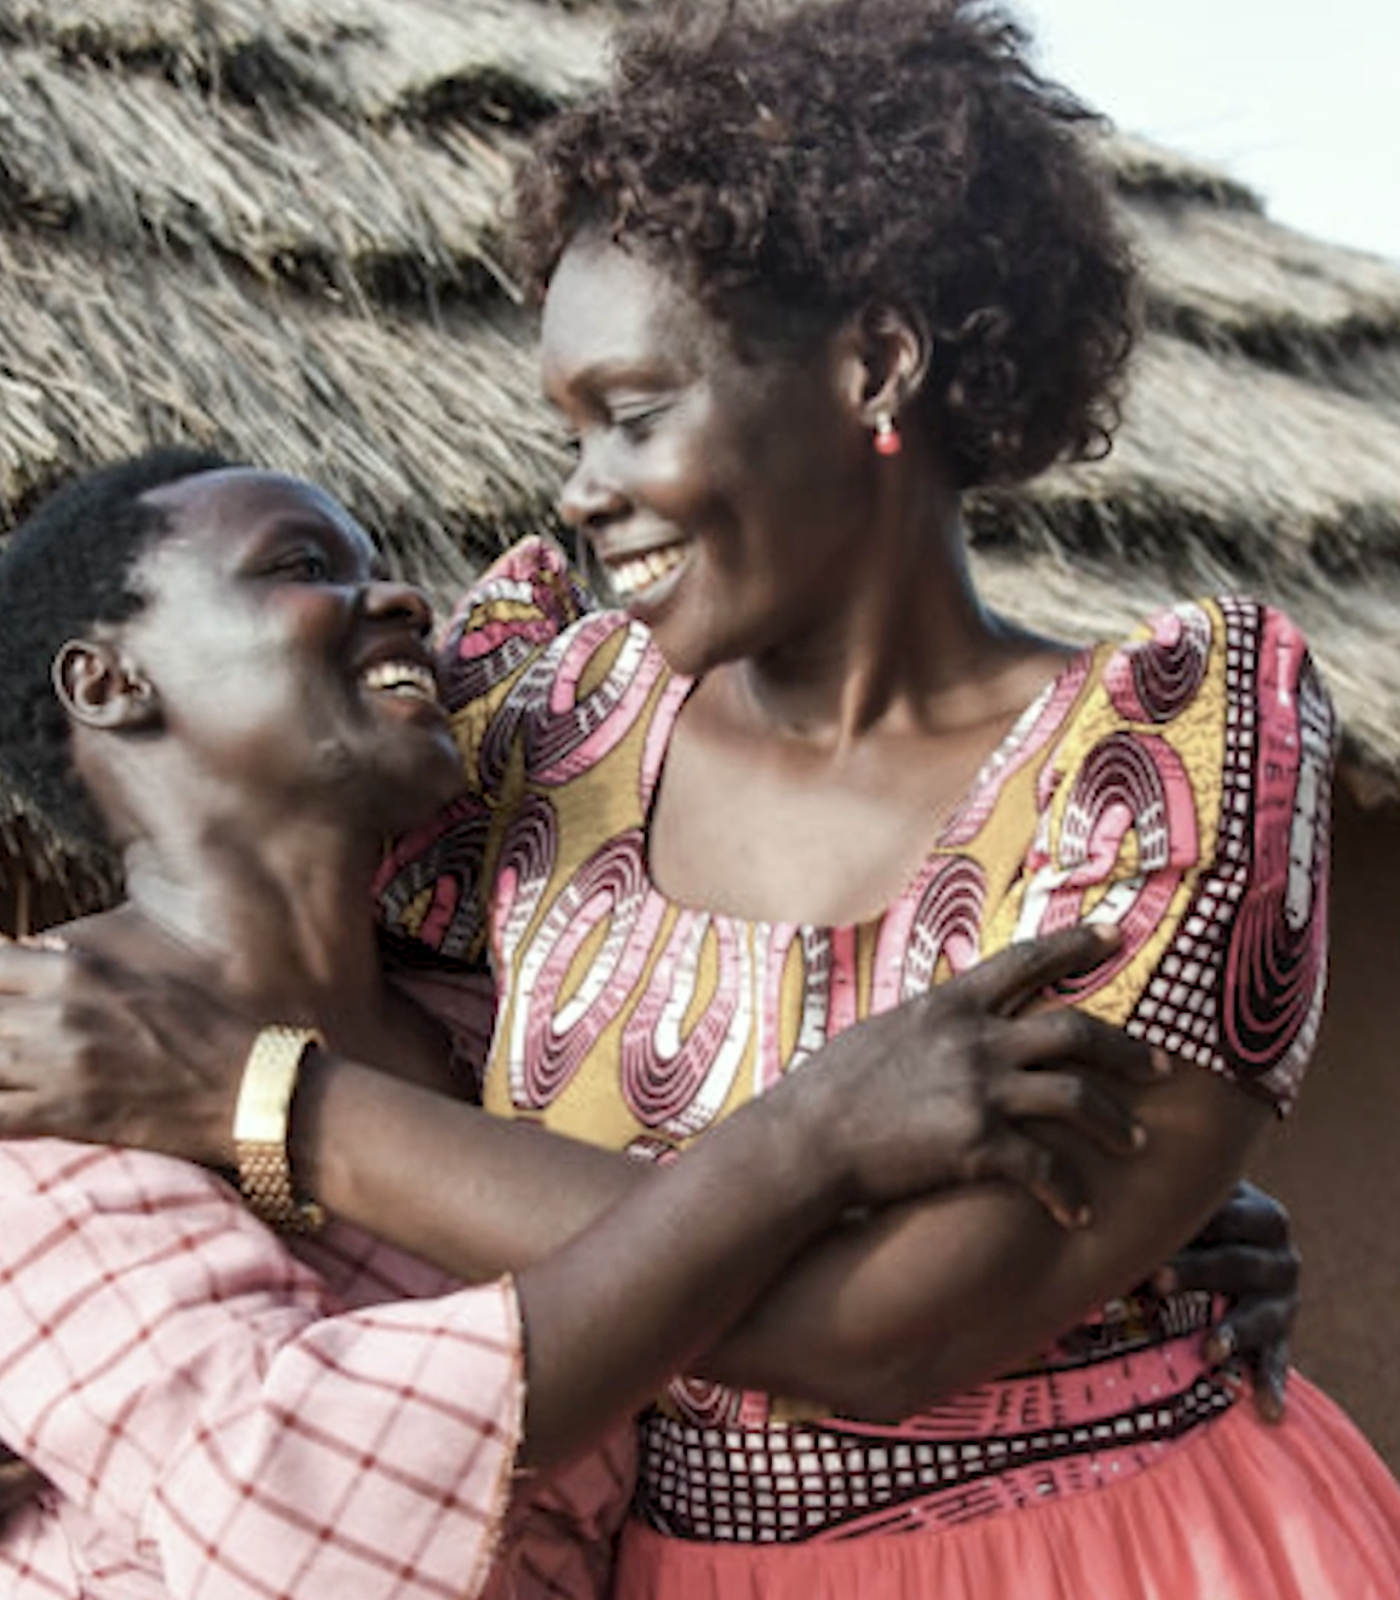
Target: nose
{"type": "Point", "coordinates": [388, 600]}
{"type": "Point", "coordinates": [590, 498]}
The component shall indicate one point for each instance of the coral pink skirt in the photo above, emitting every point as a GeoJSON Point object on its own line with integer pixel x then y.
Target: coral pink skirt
{"type": "Point", "coordinates": [1238, 1511]}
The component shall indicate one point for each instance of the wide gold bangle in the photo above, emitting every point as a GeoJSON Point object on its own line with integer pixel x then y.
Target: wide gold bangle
{"type": "Point", "coordinates": [260, 1124]}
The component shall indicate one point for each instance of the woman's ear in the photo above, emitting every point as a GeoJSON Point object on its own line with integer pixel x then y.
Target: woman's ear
{"type": "Point", "coordinates": [99, 688]}
{"type": "Point", "coordinates": [895, 352]}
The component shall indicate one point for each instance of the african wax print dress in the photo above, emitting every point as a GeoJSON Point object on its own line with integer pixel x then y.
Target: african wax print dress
{"type": "Point", "coordinates": [1175, 784]}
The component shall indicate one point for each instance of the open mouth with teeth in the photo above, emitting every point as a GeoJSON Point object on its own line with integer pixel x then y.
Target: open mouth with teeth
{"type": "Point", "coordinates": [633, 576]}
{"type": "Point", "coordinates": [403, 680]}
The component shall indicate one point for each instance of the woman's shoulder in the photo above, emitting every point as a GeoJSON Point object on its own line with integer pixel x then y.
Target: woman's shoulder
{"type": "Point", "coordinates": [1186, 800]}
{"type": "Point", "coordinates": [1209, 677]}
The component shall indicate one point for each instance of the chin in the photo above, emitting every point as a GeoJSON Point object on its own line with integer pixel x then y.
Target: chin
{"type": "Point", "coordinates": [692, 651]}
{"type": "Point", "coordinates": [409, 794]}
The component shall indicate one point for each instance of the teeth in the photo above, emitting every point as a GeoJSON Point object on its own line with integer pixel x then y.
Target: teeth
{"type": "Point", "coordinates": [400, 677]}
{"type": "Point", "coordinates": [634, 573]}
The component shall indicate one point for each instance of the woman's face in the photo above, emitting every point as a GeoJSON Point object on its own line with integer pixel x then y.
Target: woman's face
{"type": "Point", "coordinates": [723, 496]}
{"type": "Point", "coordinates": [279, 654]}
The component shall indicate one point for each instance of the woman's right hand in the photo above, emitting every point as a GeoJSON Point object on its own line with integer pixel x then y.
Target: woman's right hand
{"type": "Point", "coordinates": [959, 1085]}
{"type": "Point", "coordinates": [97, 1052]}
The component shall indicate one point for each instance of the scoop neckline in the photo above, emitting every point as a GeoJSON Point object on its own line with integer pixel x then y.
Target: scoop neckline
{"type": "Point", "coordinates": [676, 691]}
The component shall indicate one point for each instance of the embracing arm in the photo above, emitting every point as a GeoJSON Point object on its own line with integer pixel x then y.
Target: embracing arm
{"type": "Point", "coordinates": [170, 1366]}
{"type": "Point", "coordinates": [479, 1196]}
{"type": "Point", "coordinates": [174, 1372]}
{"type": "Point", "coordinates": [875, 1319]}
{"type": "Point", "coordinates": [935, 1295]}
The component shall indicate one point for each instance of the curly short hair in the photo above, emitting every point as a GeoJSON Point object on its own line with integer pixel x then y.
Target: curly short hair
{"type": "Point", "coordinates": [825, 155]}
{"type": "Point", "coordinates": [67, 566]}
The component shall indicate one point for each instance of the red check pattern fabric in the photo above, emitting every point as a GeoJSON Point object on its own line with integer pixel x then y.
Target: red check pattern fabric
{"type": "Point", "coordinates": [223, 1420]}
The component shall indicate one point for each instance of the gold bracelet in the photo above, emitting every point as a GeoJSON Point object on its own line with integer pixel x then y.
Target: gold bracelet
{"type": "Point", "coordinates": [260, 1127]}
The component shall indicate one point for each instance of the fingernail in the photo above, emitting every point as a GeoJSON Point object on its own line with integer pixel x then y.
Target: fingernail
{"type": "Point", "coordinates": [1161, 1062]}
{"type": "Point", "coordinates": [1165, 1280]}
{"type": "Point", "coordinates": [1139, 1136]}
{"type": "Point", "coordinates": [1105, 932]}
{"type": "Point", "coordinates": [1220, 1345]}
{"type": "Point", "coordinates": [1083, 1217]}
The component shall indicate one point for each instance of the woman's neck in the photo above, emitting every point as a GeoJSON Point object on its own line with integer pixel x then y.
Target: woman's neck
{"type": "Point", "coordinates": [279, 923]}
{"type": "Point", "coordinates": [905, 646]}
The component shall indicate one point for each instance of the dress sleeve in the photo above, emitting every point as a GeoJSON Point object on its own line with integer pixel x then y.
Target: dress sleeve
{"type": "Point", "coordinates": [1188, 802]}
{"type": "Point", "coordinates": [430, 887]}
{"type": "Point", "coordinates": [175, 1372]}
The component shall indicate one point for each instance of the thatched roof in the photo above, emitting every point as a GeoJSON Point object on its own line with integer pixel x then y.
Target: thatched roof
{"type": "Point", "coordinates": [270, 225]}
{"type": "Point", "coordinates": [1260, 450]}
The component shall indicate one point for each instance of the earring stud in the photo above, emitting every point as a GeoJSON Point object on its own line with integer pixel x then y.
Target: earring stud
{"type": "Point", "coordinates": [887, 439]}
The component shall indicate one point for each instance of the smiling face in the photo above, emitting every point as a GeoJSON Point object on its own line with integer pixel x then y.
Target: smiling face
{"type": "Point", "coordinates": [275, 650]}
{"type": "Point", "coordinates": [723, 496]}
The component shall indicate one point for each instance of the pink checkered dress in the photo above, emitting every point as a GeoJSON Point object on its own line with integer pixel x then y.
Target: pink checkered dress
{"type": "Point", "coordinates": [221, 1420]}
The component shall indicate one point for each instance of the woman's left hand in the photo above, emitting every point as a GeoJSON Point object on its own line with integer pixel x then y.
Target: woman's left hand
{"type": "Point", "coordinates": [1246, 1253]}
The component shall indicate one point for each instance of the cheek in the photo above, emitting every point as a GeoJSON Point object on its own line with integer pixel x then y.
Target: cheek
{"type": "Point", "coordinates": [682, 481]}
{"type": "Point", "coordinates": [255, 704]}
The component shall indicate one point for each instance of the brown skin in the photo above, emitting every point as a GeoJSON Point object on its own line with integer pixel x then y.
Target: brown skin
{"type": "Point", "coordinates": [246, 773]}
{"type": "Point", "coordinates": [236, 750]}
{"type": "Point", "coordinates": [102, 1051]}
{"type": "Point", "coordinates": [826, 603]}
{"type": "Point", "coordinates": [852, 685]}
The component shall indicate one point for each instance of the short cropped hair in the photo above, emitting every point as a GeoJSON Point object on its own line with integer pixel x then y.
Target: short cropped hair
{"type": "Point", "coordinates": [819, 156]}
{"type": "Point", "coordinates": [67, 566]}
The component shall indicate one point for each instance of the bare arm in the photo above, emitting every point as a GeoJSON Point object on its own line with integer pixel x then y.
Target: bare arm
{"type": "Point", "coordinates": [937, 1294]}
{"type": "Point", "coordinates": [876, 1319]}
{"type": "Point", "coordinates": [684, 1259]}
{"type": "Point", "coordinates": [475, 1195]}
{"type": "Point", "coordinates": [479, 1196]}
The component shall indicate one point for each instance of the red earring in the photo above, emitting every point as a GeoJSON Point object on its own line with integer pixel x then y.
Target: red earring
{"type": "Point", "coordinates": [887, 439]}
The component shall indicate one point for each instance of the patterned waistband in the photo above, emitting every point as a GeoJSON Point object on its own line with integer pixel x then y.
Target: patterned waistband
{"type": "Point", "coordinates": [1000, 1447]}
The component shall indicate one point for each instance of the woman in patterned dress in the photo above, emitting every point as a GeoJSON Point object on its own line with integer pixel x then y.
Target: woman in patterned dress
{"type": "Point", "coordinates": [813, 273]}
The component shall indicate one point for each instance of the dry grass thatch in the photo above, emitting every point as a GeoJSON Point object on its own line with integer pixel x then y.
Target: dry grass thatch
{"type": "Point", "coordinates": [272, 225]}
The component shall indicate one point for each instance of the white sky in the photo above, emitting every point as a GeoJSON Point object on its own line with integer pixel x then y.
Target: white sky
{"type": "Point", "coordinates": [1299, 98]}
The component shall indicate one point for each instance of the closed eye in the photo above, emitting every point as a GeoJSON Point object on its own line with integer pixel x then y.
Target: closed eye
{"type": "Point", "coordinates": [638, 426]}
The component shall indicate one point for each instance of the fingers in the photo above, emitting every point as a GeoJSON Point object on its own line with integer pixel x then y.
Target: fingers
{"type": "Point", "coordinates": [1070, 1036]}
{"type": "Point", "coordinates": [1245, 1251]}
{"type": "Point", "coordinates": [1252, 1329]}
{"type": "Point", "coordinates": [1075, 1100]}
{"type": "Point", "coordinates": [1043, 1173]}
{"type": "Point", "coordinates": [1005, 981]}
{"type": "Point", "coordinates": [1257, 1339]}
{"type": "Point", "coordinates": [1249, 1216]}
{"type": "Point", "coordinates": [1270, 1375]}
{"type": "Point", "coordinates": [1239, 1270]}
